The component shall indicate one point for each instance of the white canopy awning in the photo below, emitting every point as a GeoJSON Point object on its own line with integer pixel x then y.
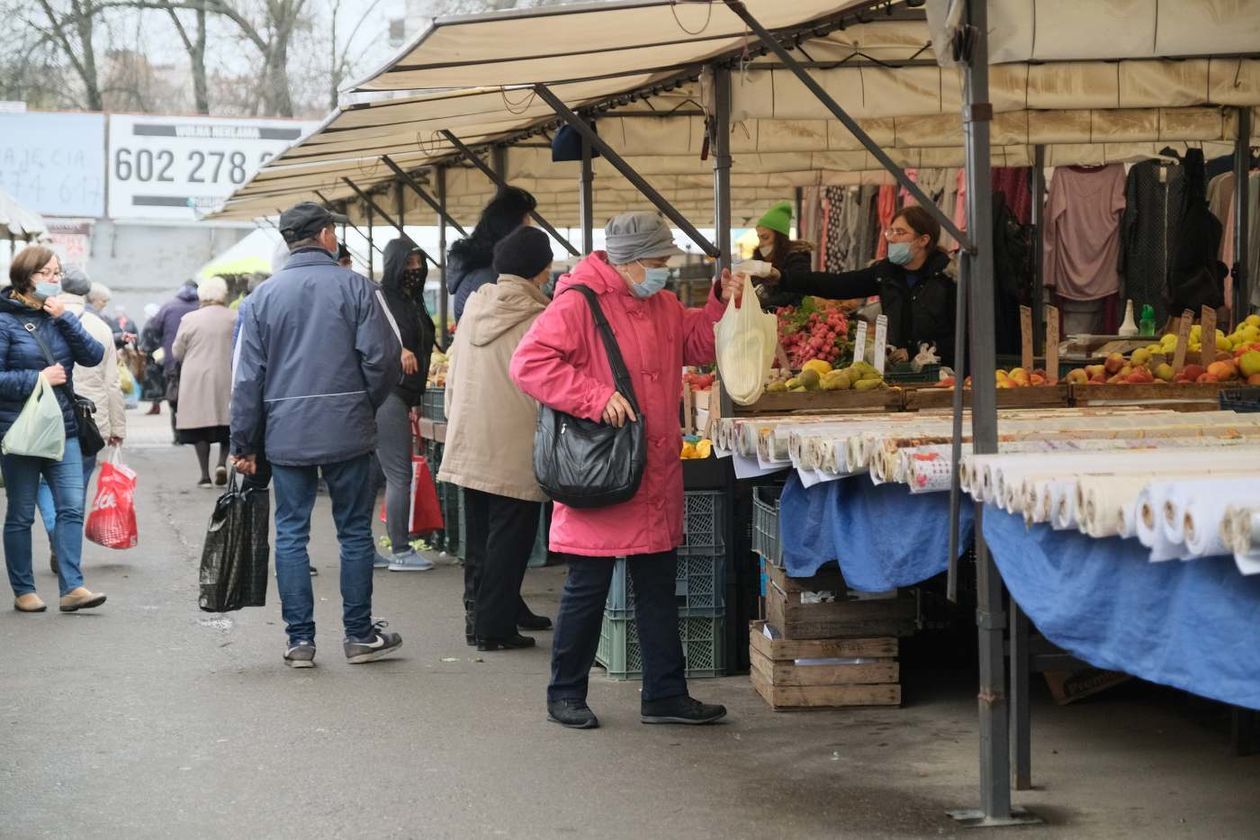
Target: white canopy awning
{"type": "Point", "coordinates": [17, 222]}
{"type": "Point", "coordinates": [1086, 98]}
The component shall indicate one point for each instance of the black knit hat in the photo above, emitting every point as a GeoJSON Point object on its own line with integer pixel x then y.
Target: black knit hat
{"type": "Point", "coordinates": [524, 252]}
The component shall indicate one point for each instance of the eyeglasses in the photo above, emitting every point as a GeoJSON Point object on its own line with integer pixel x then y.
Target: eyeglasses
{"type": "Point", "coordinates": [899, 233]}
{"type": "Point", "coordinates": [44, 272]}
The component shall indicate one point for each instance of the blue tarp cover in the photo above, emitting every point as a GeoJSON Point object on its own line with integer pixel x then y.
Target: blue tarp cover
{"type": "Point", "coordinates": [1193, 625]}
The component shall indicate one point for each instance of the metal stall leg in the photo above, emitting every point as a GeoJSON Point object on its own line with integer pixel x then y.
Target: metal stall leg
{"type": "Point", "coordinates": [1021, 723]}
{"type": "Point", "coordinates": [1242, 224]}
{"type": "Point", "coordinates": [995, 771]}
{"type": "Point", "coordinates": [586, 198]}
{"type": "Point", "coordinates": [444, 298]}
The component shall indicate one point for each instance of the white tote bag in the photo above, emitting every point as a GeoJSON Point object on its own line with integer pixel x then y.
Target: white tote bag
{"type": "Point", "coordinates": [39, 430]}
{"type": "Point", "coordinates": [746, 339]}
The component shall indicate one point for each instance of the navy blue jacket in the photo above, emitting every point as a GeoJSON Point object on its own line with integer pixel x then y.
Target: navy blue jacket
{"type": "Point", "coordinates": [21, 357]}
{"type": "Point", "coordinates": [315, 358]}
{"type": "Point", "coordinates": [168, 320]}
{"type": "Point", "coordinates": [467, 270]}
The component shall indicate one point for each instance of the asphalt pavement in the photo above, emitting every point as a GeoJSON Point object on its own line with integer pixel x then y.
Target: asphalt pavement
{"type": "Point", "coordinates": [150, 719]}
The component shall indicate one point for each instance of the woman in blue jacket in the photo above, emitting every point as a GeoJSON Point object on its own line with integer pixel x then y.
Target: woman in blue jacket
{"type": "Point", "coordinates": [30, 312]}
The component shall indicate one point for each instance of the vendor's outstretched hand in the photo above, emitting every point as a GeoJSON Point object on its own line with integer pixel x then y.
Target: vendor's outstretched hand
{"type": "Point", "coordinates": [732, 287]}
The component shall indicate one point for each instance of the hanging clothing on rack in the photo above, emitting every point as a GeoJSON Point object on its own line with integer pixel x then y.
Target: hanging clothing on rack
{"type": "Point", "coordinates": [886, 209]}
{"type": "Point", "coordinates": [1014, 183]}
{"type": "Point", "coordinates": [1221, 203]}
{"type": "Point", "coordinates": [1081, 251]}
{"type": "Point", "coordinates": [1196, 274]}
{"type": "Point", "coordinates": [1253, 238]}
{"type": "Point", "coordinates": [869, 232]}
{"type": "Point", "coordinates": [1154, 200]}
{"type": "Point", "coordinates": [811, 219]}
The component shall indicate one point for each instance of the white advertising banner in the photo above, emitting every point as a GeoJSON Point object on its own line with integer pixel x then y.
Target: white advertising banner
{"type": "Point", "coordinates": [54, 163]}
{"type": "Point", "coordinates": [173, 168]}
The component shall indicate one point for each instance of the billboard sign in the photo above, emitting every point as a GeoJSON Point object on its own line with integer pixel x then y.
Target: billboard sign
{"type": "Point", "coordinates": [54, 163]}
{"type": "Point", "coordinates": [173, 168]}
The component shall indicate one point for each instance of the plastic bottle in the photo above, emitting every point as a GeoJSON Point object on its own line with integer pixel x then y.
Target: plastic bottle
{"type": "Point", "coordinates": [1147, 326]}
{"type": "Point", "coordinates": [1129, 327]}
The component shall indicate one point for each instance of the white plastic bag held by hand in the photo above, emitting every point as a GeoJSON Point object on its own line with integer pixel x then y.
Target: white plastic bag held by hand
{"type": "Point", "coordinates": [39, 430]}
{"type": "Point", "coordinates": [745, 338]}
{"type": "Point", "coordinates": [754, 268]}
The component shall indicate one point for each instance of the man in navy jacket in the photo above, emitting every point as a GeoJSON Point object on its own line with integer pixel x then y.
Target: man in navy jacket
{"type": "Point", "coordinates": [314, 360]}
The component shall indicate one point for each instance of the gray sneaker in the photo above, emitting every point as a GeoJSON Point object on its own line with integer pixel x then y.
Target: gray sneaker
{"type": "Point", "coordinates": [377, 644]}
{"type": "Point", "coordinates": [380, 561]}
{"type": "Point", "coordinates": [409, 561]}
{"type": "Point", "coordinates": [300, 655]}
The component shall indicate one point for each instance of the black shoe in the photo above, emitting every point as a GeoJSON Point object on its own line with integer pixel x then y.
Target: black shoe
{"type": "Point", "coordinates": [574, 714]}
{"type": "Point", "coordinates": [681, 709]}
{"type": "Point", "coordinates": [516, 642]}
{"type": "Point", "coordinates": [377, 644]}
{"type": "Point", "coordinates": [53, 564]}
{"type": "Point", "coordinates": [528, 620]}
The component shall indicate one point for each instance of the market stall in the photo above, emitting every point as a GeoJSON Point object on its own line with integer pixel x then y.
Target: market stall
{"type": "Point", "coordinates": [708, 111]}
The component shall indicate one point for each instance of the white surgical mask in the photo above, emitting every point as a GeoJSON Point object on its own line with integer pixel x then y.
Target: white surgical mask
{"type": "Point", "coordinates": [767, 251]}
{"type": "Point", "coordinates": [654, 279]}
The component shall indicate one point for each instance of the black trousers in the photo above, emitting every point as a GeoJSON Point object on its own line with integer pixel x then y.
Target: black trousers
{"type": "Point", "coordinates": [655, 613]}
{"type": "Point", "coordinates": [500, 532]}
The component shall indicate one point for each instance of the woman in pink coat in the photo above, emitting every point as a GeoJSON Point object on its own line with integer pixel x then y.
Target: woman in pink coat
{"type": "Point", "coordinates": [562, 363]}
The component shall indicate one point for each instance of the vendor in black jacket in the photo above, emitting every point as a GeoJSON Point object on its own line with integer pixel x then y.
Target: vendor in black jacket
{"type": "Point", "coordinates": [915, 285]}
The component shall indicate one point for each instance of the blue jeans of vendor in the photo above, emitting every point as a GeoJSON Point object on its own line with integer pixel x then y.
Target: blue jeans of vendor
{"type": "Point", "coordinates": [582, 614]}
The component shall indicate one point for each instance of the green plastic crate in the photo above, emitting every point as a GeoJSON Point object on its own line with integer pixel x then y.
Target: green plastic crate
{"type": "Point", "coordinates": [703, 642]}
{"type": "Point", "coordinates": [699, 585]}
{"type": "Point", "coordinates": [766, 523]}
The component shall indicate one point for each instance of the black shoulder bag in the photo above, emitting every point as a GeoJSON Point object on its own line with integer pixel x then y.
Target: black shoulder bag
{"type": "Point", "coordinates": [589, 464]}
{"type": "Point", "coordinates": [90, 440]}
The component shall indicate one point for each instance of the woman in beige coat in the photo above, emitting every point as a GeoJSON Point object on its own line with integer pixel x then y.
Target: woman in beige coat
{"type": "Point", "coordinates": [490, 439]}
{"type": "Point", "coordinates": [203, 346]}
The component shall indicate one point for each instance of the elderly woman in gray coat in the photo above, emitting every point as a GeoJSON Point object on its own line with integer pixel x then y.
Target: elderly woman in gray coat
{"type": "Point", "coordinates": [203, 346]}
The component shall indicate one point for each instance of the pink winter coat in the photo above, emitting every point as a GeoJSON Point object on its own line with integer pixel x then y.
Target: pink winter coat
{"type": "Point", "coordinates": [561, 362]}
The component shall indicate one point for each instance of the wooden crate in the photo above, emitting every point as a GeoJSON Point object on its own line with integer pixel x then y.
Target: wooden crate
{"type": "Point", "coordinates": [788, 611]}
{"type": "Point", "coordinates": [786, 685]}
{"type": "Point", "coordinates": [1184, 397]}
{"type": "Point", "coordinates": [786, 402]}
{"type": "Point", "coordinates": [1042, 396]}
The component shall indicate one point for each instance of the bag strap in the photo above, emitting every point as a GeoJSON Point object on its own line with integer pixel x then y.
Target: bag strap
{"type": "Point", "coordinates": [33, 329]}
{"type": "Point", "coordinates": [621, 376]}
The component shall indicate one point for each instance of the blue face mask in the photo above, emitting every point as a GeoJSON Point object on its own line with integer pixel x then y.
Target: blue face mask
{"type": "Point", "coordinates": [43, 291]}
{"type": "Point", "coordinates": [654, 279]}
{"type": "Point", "coordinates": [899, 253]}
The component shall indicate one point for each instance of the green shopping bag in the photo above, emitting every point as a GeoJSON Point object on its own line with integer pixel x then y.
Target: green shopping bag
{"type": "Point", "coordinates": [39, 430]}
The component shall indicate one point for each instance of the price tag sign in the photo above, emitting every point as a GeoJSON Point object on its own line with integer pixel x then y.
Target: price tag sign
{"type": "Point", "coordinates": [175, 168]}
{"type": "Point", "coordinates": [881, 342]}
{"type": "Point", "coordinates": [1026, 338]}
{"type": "Point", "coordinates": [859, 343]}
{"type": "Point", "coordinates": [1183, 340]}
{"type": "Point", "coordinates": [1207, 320]}
{"type": "Point", "coordinates": [1052, 344]}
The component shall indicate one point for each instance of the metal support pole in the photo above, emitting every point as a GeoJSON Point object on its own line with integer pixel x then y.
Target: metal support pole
{"type": "Point", "coordinates": [497, 179]}
{"type": "Point", "coordinates": [1037, 187]}
{"type": "Point", "coordinates": [1242, 222]}
{"type": "Point", "coordinates": [371, 244]}
{"type": "Point", "coordinates": [995, 758]}
{"type": "Point", "coordinates": [444, 297]}
{"type": "Point", "coordinates": [627, 171]}
{"type": "Point", "coordinates": [850, 124]}
{"type": "Point", "coordinates": [424, 195]}
{"type": "Point", "coordinates": [373, 206]}
{"type": "Point", "coordinates": [720, 142]}
{"type": "Point", "coordinates": [399, 203]}
{"type": "Point", "coordinates": [799, 202]}
{"type": "Point", "coordinates": [499, 156]}
{"type": "Point", "coordinates": [586, 202]}
{"type": "Point", "coordinates": [1021, 724]}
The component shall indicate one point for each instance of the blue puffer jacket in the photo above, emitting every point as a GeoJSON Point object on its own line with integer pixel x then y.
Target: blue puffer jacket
{"type": "Point", "coordinates": [315, 358]}
{"type": "Point", "coordinates": [21, 357]}
{"type": "Point", "coordinates": [468, 268]}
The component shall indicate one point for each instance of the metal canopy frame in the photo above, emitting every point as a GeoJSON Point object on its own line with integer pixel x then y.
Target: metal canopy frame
{"type": "Point", "coordinates": [395, 224]}
{"type": "Point", "coordinates": [627, 171]}
{"type": "Point", "coordinates": [411, 182]}
{"type": "Point", "coordinates": [355, 227]}
{"type": "Point", "coordinates": [496, 174]}
{"type": "Point", "coordinates": [1242, 202]}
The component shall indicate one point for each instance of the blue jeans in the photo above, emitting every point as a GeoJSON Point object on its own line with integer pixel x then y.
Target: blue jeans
{"type": "Point", "coordinates": [21, 481]}
{"type": "Point", "coordinates": [351, 488]}
{"type": "Point", "coordinates": [44, 499]}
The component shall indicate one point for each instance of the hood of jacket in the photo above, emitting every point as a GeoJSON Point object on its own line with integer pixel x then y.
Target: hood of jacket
{"type": "Point", "coordinates": [595, 271]}
{"type": "Point", "coordinates": [465, 257]}
{"type": "Point", "coordinates": [499, 307]}
{"type": "Point", "coordinates": [187, 293]}
{"type": "Point", "coordinates": [396, 254]}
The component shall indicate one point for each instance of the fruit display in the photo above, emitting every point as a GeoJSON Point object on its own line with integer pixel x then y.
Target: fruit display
{"type": "Point", "coordinates": [819, 375]}
{"type": "Point", "coordinates": [1237, 360]}
{"type": "Point", "coordinates": [439, 363]}
{"type": "Point", "coordinates": [695, 448]}
{"type": "Point", "coordinates": [1013, 378]}
{"type": "Point", "coordinates": [699, 381]}
{"type": "Point", "coordinates": [817, 329]}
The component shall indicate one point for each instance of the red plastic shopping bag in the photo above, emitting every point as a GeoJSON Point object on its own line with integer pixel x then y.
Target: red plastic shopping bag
{"type": "Point", "coordinates": [425, 515]}
{"type": "Point", "coordinates": [112, 520]}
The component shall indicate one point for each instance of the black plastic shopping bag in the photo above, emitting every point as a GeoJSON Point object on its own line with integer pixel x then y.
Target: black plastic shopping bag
{"type": "Point", "coordinates": [236, 556]}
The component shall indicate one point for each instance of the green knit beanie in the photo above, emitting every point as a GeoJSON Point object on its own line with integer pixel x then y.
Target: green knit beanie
{"type": "Point", "coordinates": [778, 217]}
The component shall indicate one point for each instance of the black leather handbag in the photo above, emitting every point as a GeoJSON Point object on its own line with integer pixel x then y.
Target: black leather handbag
{"type": "Point", "coordinates": [589, 464]}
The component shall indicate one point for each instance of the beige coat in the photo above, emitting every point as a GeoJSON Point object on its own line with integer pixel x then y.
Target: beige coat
{"type": "Point", "coordinates": [204, 347]}
{"type": "Point", "coordinates": [490, 423]}
{"type": "Point", "coordinates": [100, 383]}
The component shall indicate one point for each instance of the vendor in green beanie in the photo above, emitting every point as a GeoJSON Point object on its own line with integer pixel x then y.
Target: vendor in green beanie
{"type": "Point", "coordinates": [788, 257]}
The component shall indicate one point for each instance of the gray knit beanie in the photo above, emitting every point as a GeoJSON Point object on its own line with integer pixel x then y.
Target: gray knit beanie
{"type": "Point", "coordinates": [638, 236]}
